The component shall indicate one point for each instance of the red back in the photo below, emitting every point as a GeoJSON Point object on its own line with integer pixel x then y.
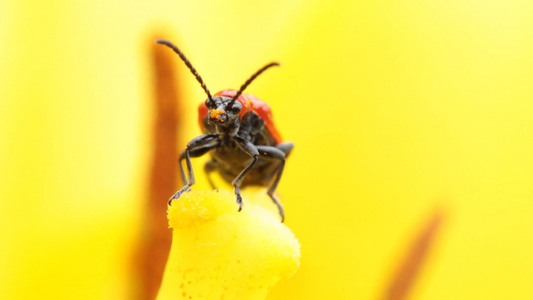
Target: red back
{"type": "Point", "coordinates": [249, 103]}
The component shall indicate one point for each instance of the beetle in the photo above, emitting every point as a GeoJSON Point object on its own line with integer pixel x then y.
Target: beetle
{"type": "Point", "coordinates": [240, 134]}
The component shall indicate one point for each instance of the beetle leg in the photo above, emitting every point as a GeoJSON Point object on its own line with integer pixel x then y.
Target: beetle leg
{"type": "Point", "coordinates": [209, 167]}
{"type": "Point", "coordinates": [195, 152]}
{"type": "Point", "coordinates": [197, 147]}
{"type": "Point", "coordinates": [250, 149]}
{"type": "Point", "coordinates": [187, 183]}
{"type": "Point", "coordinates": [276, 153]}
{"type": "Point", "coordinates": [273, 187]}
{"type": "Point", "coordinates": [286, 148]}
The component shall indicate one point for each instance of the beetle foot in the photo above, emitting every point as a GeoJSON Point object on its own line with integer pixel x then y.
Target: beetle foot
{"type": "Point", "coordinates": [178, 194]}
{"type": "Point", "coordinates": [239, 198]}
{"type": "Point", "coordinates": [280, 207]}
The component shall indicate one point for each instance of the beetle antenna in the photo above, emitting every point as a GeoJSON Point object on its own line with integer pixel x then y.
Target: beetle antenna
{"type": "Point", "coordinates": [247, 83]}
{"type": "Point", "coordinates": [188, 63]}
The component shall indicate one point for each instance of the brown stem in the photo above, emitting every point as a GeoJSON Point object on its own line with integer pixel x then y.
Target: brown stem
{"type": "Point", "coordinates": [410, 266]}
{"type": "Point", "coordinates": [154, 244]}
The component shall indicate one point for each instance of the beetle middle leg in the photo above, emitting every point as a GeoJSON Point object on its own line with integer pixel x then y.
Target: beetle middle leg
{"type": "Point", "coordinates": [195, 148]}
{"type": "Point", "coordinates": [209, 167]}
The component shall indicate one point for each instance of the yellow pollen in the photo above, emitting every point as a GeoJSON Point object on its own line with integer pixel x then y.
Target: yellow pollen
{"type": "Point", "coordinates": [215, 113]}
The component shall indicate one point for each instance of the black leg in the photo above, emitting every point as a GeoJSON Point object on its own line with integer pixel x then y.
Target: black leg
{"type": "Point", "coordinates": [197, 147]}
{"type": "Point", "coordinates": [279, 153]}
{"type": "Point", "coordinates": [286, 148]}
{"type": "Point", "coordinates": [273, 187]}
{"type": "Point", "coordinates": [209, 167]}
{"type": "Point", "coordinates": [193, 152]}
{"type": "Point", "coordinates": [250, 149]}
{"type": "Point", "coordinates": [188, 183]}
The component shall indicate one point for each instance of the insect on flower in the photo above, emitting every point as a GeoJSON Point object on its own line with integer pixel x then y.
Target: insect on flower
{"type": "Point", "coordinates": [239, 132]}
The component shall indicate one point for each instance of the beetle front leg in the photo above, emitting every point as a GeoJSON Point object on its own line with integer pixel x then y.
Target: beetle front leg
{"type": "Point", "coordinates": [195, 148]}
{"type": "Point", "coordinates": [195, 152]}
{"type": "Point", "coordinates": [188, 183]}
{"type": "Point", "coordinates": [250, 149]}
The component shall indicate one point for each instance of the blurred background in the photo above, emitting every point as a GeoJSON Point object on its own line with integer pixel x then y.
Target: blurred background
{"type": "Point", "coordinates": [412, 122]}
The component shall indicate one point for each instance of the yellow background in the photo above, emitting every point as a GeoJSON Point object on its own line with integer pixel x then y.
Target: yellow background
{"type": "Point", "coordinates": [395, 107]}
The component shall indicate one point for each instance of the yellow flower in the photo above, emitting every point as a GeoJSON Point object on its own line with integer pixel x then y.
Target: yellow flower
{"type": "Point", "coordinates": [394, 107]}
{"type": "Point", "coordinates": [218, 252]}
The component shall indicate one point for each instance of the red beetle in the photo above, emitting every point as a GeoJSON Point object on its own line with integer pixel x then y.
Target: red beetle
{"type": "Point", "coordinates": [239, 133]}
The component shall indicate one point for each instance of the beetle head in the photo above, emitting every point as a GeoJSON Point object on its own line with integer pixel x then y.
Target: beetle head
{"type": "Point", "coordinates": [222, 110]}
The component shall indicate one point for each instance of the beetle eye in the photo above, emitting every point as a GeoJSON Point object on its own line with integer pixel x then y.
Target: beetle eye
{"type": "Point", "coordinates": [235, 109]}
{"type": "Point", "coordinates": [209, 102]}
